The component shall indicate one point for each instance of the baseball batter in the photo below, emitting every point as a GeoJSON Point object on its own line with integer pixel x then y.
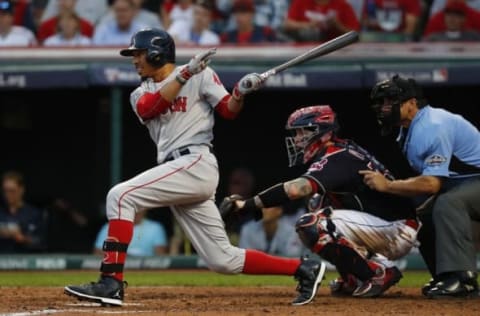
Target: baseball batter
{"type": "Point", "coordinates": [361, 229]}
{"type": "Point", "coordinates": [177, 106]}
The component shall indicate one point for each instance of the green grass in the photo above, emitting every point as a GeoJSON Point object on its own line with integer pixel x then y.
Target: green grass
{"type": "Point", "coordinates": [172, 278]}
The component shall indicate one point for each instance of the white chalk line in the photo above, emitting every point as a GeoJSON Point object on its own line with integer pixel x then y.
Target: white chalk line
{"type": "Point", "coordinates": [91, 304]}
{"type": "Point", "coordinates": [101, 310]}
{"type": "Point", "coordinates": [74, 310]}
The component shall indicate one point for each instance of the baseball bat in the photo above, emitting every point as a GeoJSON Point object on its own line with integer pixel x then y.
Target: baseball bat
{"type": "Point", "coordinates": [320, 50]}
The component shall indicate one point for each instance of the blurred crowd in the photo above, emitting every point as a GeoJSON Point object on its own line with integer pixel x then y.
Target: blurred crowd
{"type": "Point", "coordinates": [60, 227]}
{"type": "Point", "coordinates": [213, 22]}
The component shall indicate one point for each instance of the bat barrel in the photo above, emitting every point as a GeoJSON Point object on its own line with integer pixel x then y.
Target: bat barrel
{"type": "Point", "coordinates": [323, 49]}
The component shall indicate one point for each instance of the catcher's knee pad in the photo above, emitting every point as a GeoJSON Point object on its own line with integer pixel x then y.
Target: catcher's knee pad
{"type": "Point", "coordinates": [315, 230]}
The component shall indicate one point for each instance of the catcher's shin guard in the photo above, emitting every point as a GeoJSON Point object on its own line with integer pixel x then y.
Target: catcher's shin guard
{"type": "Point", "coordinates": [319, 234]}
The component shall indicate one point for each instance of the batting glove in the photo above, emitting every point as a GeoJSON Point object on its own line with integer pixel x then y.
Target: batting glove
{"type": "Point", "coordinates": [247, 84]}
{"type": "Point", "coordinates": [196, 65]}
{"type": "Point", "coordinates": [228, 205]}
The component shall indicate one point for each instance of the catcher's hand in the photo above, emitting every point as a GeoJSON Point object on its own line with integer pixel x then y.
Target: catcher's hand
{"type": "Point", "coordinates": [229, 205]}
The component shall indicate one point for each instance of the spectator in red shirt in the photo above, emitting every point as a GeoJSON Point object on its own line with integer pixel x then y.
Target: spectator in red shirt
{"type": "Point", "coordinates": [49, 27]}
{"type": "Point", "coordinates": [437, 21]}
{"type": "Point", "coordinates": [247, 31]}
{"type": "Point", "coordinates": [454, 18]}
{"type": "Point", "coordinates": [23, 15]}
{"type": "Point", "coordinates": [320, 20]}
{"type": "Point", "coordinates": [391, 16]}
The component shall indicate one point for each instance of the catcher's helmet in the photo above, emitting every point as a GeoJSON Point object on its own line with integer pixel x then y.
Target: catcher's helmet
{"type": "Point", "coordinates": [310, 128]}
{"type": "Point", "coordinates": [159, 45]}
{"type": "Point", "coordinates": [387, 96]}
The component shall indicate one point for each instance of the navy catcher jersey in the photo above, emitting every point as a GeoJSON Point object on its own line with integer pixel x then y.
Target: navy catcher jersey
{"type": "Point", "coordinates": [335, 171]}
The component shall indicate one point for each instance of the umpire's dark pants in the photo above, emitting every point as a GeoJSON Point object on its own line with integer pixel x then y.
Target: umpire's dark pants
{"type": "Point", "coordinates": [449, 222]}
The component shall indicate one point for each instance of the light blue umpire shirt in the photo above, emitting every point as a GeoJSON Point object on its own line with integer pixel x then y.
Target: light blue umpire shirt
{"type": "Point", "coordinates": [434, 137]}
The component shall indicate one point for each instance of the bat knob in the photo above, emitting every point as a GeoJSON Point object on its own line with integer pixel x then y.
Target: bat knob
{"type": "Point", "coordinates": [247, 84]}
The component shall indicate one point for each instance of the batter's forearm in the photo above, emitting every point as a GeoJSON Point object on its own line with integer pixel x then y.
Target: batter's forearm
{"type": "Point", "coordinates": [170, 91]}
{"type": "Point", "coordinates": [415, 186]}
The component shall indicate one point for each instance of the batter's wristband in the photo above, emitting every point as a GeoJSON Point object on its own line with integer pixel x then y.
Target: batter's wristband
{"type": "Point", "coordinates": [183, 76]}
{"type": "Point", "coordinates": [181, 80]}
{"type": "Point", "coordinates": [274, 196]}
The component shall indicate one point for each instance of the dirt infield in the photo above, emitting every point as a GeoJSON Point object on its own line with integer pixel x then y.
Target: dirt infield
{"type": "Point", "coordinates": [228, 301]}
{"type": "Point", "coordinates": [219, 301]}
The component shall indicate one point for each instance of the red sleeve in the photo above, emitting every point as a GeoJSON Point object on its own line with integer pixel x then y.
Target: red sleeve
{"type": "Point", "coordinates": [150, 105]}
{"type": "Point", "coordinates": [348, 17]}
{"type": "Point", "coordinates": [412, 7]}
{"type": "Point", "coordinates": [296, 11]}
{"type": "Point", "coordinates": [223, 110]}
{"type": "Point", "coordinates": [46, 29]}
{"type": "Point", "coordinates": [435, 24]}
{"type": "Point", "coordinates": [168, 5]}
{"type": "Point", "coordinates": [86, 28]}
{"type": "Point", "coordinates": [19, 12]}
{"type": "Point", "coordinates": [473, 19]}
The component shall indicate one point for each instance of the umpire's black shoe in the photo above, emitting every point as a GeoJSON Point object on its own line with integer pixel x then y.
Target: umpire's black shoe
{"type": "Point", "coordinates": [428, 286]}
{"type": "Point", "coordinates": [107, 291]}
{"type": "Point", "coordinates": [309, 276]}
{"type": "Point", "coordinates": [458, 284]}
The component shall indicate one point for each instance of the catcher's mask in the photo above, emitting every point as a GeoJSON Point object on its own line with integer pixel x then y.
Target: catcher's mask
{"type": "Point", "coordinates": [310, 128]}
{"type": "Point", "coordinates": [158, 44]}
{"type": "Point", "coordinates": [388, 96]}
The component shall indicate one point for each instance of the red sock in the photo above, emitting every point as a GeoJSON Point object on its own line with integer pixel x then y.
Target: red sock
{"type": "Point", "coordinates": [118, 231]}
{"type": "Point", "coordinates": [257, 262]}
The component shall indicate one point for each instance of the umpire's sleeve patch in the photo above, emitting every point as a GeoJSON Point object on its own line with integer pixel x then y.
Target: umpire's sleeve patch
{"type": "Point", "coordinates": [435, 160]}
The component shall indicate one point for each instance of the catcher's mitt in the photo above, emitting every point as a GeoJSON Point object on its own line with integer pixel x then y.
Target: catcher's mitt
{"type": "Point", "coordinates": [228, 205]}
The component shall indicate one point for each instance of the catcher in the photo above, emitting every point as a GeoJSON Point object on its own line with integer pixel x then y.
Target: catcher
{"type": "Point", "coordinates": [361, 230]}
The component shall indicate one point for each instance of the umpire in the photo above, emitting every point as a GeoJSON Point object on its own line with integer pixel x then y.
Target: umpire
{"type": "Point", "coordinates": [444, 148]}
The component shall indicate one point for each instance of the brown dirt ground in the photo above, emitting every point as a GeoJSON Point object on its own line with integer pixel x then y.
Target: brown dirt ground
{"type": "Point", "coordinates": [218, 301]}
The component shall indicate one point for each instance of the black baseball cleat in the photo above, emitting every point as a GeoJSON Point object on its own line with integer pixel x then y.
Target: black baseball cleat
{"type": "Point", "coordinates": [344, 286]}
{"type": "Point", "coordinates": [428, 286]}
{"type": "Point", "coordinates": [309, 275]}
{"type": "Point", "coordinates": [107, 291]}
{"type": "Point", "coordinates": [457, 285]}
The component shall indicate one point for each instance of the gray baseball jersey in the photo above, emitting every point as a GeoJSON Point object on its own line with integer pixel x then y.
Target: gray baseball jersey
{"type": "Point", "coordinates": [189, 121]}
